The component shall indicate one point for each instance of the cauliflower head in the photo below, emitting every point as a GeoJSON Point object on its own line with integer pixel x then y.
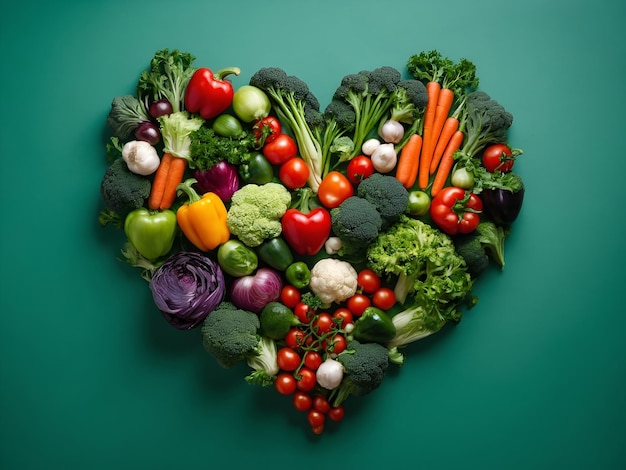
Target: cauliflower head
{"type": "Point", "coordinates": [333, 280]}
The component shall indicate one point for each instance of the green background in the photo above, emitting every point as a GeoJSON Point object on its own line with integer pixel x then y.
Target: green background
{"type": "Point", "coordinates": [93, 378]}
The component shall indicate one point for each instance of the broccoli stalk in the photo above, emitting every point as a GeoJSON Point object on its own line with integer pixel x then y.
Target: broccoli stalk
{"type": "Point", "coordinates": [263, 363]}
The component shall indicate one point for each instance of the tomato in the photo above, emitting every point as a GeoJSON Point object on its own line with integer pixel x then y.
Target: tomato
{"type": "Point", "coordinates": [316, 418]}
{"type": "Point", "coordinates": [302, 401]}
{"type": "Point", "coordinates": [295, 338]}
{"type": "Point", "coordinates": [280, 149]}
{"type": "Point", "coordinates": [498, 157]}
{"type": "Point", "coordinates": [358, 303]}
{"type": "Point", "coordinates": [307, 380]}
{"type": "Point", "coordinates": [343, 316]}
{"type": "Point", "coordinates": [337, 344]}
{"type": "Point", "coordinates": [384, 298]}
{"type": "Point", "coordinates": [285, 383]}
{"type": "Point", "coordinates": [324, 323]}
{"type": "Point", "coordinates": [303, 312]}
{"type": "Point", "coordinates": [313, 360]}
{"type": "Point", "coordinates": [336, 413]}
{"type": "Point", "coordinates": [334, 189]}
{"type": "Point", "coordinates": [288, 359]}
{"type": "Point", "coordinates": [268, 126]}
{"type": "Point", "coordinates": [290, 296]}
{"type": "Point", "coordinates": [359, 168]}
{"type": "Point", "coordinates": [455, 210]}
{"type": "Point", "coordinates": [368, 280]}
{"type": "Point", "coordinates": [321, 404]}
{"type": "Point", "coordinates": [294, 173]}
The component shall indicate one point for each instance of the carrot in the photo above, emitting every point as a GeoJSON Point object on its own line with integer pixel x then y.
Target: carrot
{"type": "Point", "coordinates": [168, 176]}
{"type": "Point", "coordinates": [432, 89]}
{"type": "Point", "coordinates": [447, 162]}
{"type": "Point", "coordinates": [408, 163]}
{"type": "Point", "coordinates": [450, 126]}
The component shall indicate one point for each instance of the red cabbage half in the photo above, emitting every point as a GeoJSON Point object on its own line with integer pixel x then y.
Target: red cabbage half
{"type": "Point", "coordinates": [186, 288]}
{"type": "Point", "coordinates": [221, 179]}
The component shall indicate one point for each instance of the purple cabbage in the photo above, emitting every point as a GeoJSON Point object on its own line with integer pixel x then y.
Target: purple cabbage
{"type": "Point", "coordinates": [186, 288]}
{"type": "Point", "coordinates": [221, 179]}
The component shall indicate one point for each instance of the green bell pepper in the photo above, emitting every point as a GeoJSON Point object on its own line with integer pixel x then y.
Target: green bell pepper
{"type": "Point", "coordinates": [257, 170]}
{"type": "Point", "coordinates": [276, 253]}
{"type": "Point", "coordinates": [152, 233]}
{"type": "Point", "coordinates": [374, 326]}
{"type": "Point", "coordinates": [298, 274]}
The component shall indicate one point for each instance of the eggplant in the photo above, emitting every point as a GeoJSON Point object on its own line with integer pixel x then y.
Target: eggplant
{"type": "Point", "coordinates": [502, 206]}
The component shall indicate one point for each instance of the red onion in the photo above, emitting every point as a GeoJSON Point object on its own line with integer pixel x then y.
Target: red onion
{"type": "Point", "coordinates": [148, 132]}
{"type": "Point", "coordinates": [221, 179]}
{"type": "Point", "coordinates": [255, 291]}
{"type": "Point", "coordinates": [160, 108]}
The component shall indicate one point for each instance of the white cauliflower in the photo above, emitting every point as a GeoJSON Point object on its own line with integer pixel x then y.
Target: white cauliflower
{"type": "Point", "coordinates": [333, 280]}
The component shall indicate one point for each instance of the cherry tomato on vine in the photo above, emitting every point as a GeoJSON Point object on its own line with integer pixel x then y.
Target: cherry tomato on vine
{"type": "Point", "coordinates": [337, 344]}
{"type": "Point", "coordinates": [307, 379]}
{"type": "Point", "coordinates": [343, 316]}
{"type": "Point", "coordinates": [294, 173]}
{"type": "Point", "coordinates": [316, 419]}
{"type": "Point", "coordinates": [302, 401]}
{"type": "Point", "coordinates": [499, 157]}
{"type": "Point", "coordinates": [334, 189]}
{"type": "Point", "coordinates": [303, 312]}
{"type": "Point", "coordinates": [288, 359]}
{"type": "Point", "coordinates": [290, 296]}
{"type": "Point", "coordinates": [336, 413]}
{"type": "Point", "coordinates": [285, 383]}
{"type": "Point", "coordinates": [321, 404]}
{"type": "Point", "coordinates": [359, 168]}
{"type": "Point", "coordinates": [324, 323]}
{"type": "Point", "coordinates": [384, 298]}
{"type": "Point", "coordinates": [368, 280]}
{"type": "Point", "coordinates": [280, 149]}
{"type": "Point", "coordinates": [295, 338]}
{"type": "Point", "coordinates": [269, 125]}
{"type": "Point", "coordinates": [313, 360]}
{"type": "Point", "coordinates": [358, 303]}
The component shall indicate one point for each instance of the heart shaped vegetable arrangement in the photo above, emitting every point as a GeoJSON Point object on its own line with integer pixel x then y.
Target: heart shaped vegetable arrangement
{"type": "Point", "coordinates": [312, 243]}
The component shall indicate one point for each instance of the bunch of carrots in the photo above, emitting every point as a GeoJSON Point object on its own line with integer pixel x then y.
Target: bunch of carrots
{"type": "Point", "coordinates": [432, 153]}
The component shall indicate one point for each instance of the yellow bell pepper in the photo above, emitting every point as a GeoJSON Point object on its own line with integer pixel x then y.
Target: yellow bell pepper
{"type": "Point", "coordinates": [203, 218]}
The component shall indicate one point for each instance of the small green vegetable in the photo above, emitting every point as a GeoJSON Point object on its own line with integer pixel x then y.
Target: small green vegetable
{"type": "Point", "coordinates": [276, 253]}
{"type": "Point", "coordinates": [298, 274]}
{"type": "Point", "coordinates": [276, 320]}
{"type": "Point", "coordinates": [374, 326]}
{"type": "Point", "coordinates": [122, 190]}
{"type": "Point", "coordinates": [151, 232]}
{"type": "Point", "coordinates": [227, 125]}
{"type": "Point", "coordinates": [237, 259]}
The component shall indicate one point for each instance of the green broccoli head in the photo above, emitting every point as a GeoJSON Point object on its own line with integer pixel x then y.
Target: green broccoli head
{"type": "Point", "coordinates": [486, 121]}
{"type": "Point", "coordinates": [255, 212]}
{"type": "Point", "coordinates": [387, 194]}
{"type": "Point", "coordinates": [356, 222]}
{"type": "Point", "coordinates": [365, 365]}
{"type": "Point", "coordinates": [469, 247]}
{"type": "Point", "coordinates": [409, 101]}
{"type": "Point", "coordinates": [122, 190]}
{"type": "Point", "coordinates": [383, 80]}
{"type": "Point", "coordinates": [230, 334]}
{"type": "Point", "coordinates": [342, 113]}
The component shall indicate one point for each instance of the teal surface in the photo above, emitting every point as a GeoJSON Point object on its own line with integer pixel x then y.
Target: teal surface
{"type": "Point", "coordinates": [91, 377]}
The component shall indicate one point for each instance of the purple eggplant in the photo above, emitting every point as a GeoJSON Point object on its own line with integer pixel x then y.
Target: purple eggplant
{"type": "Point", "coordinates": [221, 179]}
{"type": "Point", "coordinates": [502, 206]}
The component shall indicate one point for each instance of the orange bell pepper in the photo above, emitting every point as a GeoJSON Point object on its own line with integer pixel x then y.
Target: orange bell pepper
{"type": "Point", "coordinates": [203, 218]}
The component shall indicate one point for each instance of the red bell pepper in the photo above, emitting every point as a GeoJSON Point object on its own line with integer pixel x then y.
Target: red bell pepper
{"type": "Point", "coordinates": [456, 210]}
{"type": "Point", "coordinates": [306, 233]}
{"type": "Point", "coordinates": [208, 94]}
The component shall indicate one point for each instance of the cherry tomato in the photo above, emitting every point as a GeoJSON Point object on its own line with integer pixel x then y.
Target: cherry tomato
{"type": "Point", "coordinates": [288, 359]}
{"type": "Point", "coordinates": [303, 312]}
{"type": "Point", "coordinates": [295, 338]}
{"type": "Point", "coordinates": [336, 413]}
{"type": "Point", "coordinates": [359, 168]}
{"type": "Point", "coordinates": [290, 296]}
{"type": "Point", "coordinates": [337, 344]}
{"type": "Point", "coordinates": [358, 303]}
{"type": "Point", "coordinates": [285, 383]}
{"type": "Point", "coordinates": [334, 189]}
{"type": "Point", "coordinates": [313, 360]}
{"type": "Point", "coordinates": [321, 404]}
{"type": "Point", "coordinates": [302, 401]}
{"type": "Point", "coordinates": [307, 380]}
{"type": "Point", "coordinates": [384, 298]}
{"type": "Point", "coordinates": [343, 316]}
{"type": "Point", "coordinates": [316, 418]}
{"type": "Point", "coordinates": [368, 280]}
{"type": "Point", "coordinates": [498, 157]}
{"type": "Point", "coordinates": [294, 173]}
{"type": "Point", "coordinates": [324, 323]}
{"type": "Point", "coordinates": [280, 149]}
{"type": "Point", "coordinates": [269, 125]}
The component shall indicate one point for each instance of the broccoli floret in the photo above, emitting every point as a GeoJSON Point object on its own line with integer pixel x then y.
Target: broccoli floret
{"type": "Point", "coordinates": [122, 190]}
{"type": "Point", "coordinates": [356, 222]}
{"type": "Point", "coordinates": [230, 334]}
{"type": "Point", "coordinates": [365, 365]}
{"type": "Point", "coordinates": [387, 194]}
{"type": "Point", "coordinates": [255, 212]}
{"type": "Point", "coordinates": [342, 113]}
{"type": "Point", "coordinates": [383, 79]}
{"type": "Point", "coordinates": [409, 101]}
{"type": "Point", "coordinates": [484, 121]}
{"type": "Point", "coordinates": [472, 251]}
